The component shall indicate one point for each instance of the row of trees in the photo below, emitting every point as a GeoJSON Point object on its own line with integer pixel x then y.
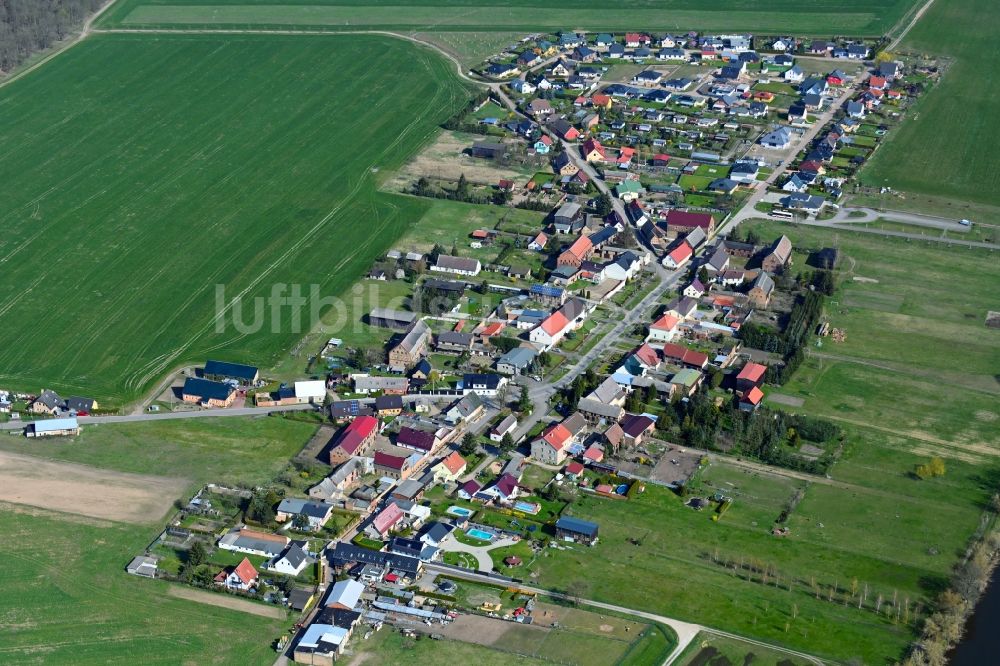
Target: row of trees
{"type": "Point", "coordinates": [944, 628]}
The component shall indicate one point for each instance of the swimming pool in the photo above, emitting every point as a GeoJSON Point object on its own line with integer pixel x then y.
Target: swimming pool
{"type": "Point", "coordinates": [527, 507]}
{"type": "Point", "coordinates": [460, 511]}
{"type": "Point", "coordinates": [482, 535]}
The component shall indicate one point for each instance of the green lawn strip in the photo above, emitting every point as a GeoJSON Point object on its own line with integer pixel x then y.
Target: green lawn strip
{"type": "Point", "coordinates": [388, 646]}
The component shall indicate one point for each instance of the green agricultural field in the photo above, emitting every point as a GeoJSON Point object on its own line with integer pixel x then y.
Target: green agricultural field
{"type": "Point", "coordinates": [140, 173]}
{"type": "Point", "coordinates": [947, 149]}
{"type": "Point", "coordinates": [858, 17]}
{"type": "Point", "coordinates": [67, 599]}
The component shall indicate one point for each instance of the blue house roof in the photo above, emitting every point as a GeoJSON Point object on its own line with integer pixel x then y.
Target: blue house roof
{"type": "Point", "coordinates": [577, 525]}
{"type": "Point", "coordinates": [206, 390]}
{"type": "Point", "coordinates": [234, 370]}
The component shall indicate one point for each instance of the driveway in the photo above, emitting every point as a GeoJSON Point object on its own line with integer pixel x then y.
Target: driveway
{"type": "Point", "coordinates": [482, 553]}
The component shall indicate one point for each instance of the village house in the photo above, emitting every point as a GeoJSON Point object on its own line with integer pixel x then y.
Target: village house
{"type": "Point", "coordinates": [678, 256]}
{"type": "Point", "coordinates": [663, 329]}
{"type": "Point", "coordinates": [468, 408]}
{"type": "Point", "coordinates": [779, 256]}
{"type": "Point", "coordinates": [750, 376]}
{"type": "Point", "coordinates": [315, 514]}
{"type": "Point", "coordinates": [551, 448]}
{"type": "Point", "coordinates": [516, 361]}
{"type": "Point", "coordinates": [388, 406]}
{"type": "Point", "coordinates": [340, 482]}
{"type": "Point", "coordinates": [356, 439]}
{"type": "Point", "coordinates": [506, 427]}
{"type": "Point", "coordinates": [207, 393]}
{"type": "Point", "coordinates": [242, 577]}
{"type": "Point", "coordinates": [761, 290]}
{"type": "Point", "coordinates": [457, 265]}
{"type": "Point", "coordinates": [388, 385]}
{"type": "Point", "coordinates": [416, 440]}
{"type": "Point", "coordinates": [681, 222]}
{"type": "Point", "coordinates": [576, 253]}
{"type": "Point", "coordinates": [395, 467]}
{"type": "Point", "coordinates": [449, 468]}
{"type": "Point", "coordinates": [411, 347]}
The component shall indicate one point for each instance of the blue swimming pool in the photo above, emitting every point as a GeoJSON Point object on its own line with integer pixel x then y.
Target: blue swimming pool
{"type": "Point", "coordinates": [460, 511]}
{"type": "Point", "coordinates": [482, 535]}
{"type": "Point", "coordinates": [527, 507]}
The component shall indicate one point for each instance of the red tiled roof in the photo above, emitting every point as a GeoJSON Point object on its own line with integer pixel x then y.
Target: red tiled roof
{"type": "Point", "coordinates": [454, 462]}
{"type": "Point", "coordinates": [605, 489]}
{"type": "Point", "coordinates": [752, 372]}
{"type": "Point", "coordinates": [245, 571]}
{"type": "Point", "coordinates": [541, 239]}
{"type": "Point", "coordinates": [546, 139]}
{"type": "Point", "coordinates": [574, 467]}
{"type": "Point", "coordinates": [594, 453]}
{"type": "Point", "coordinates": [667, 322]}
{"type": "Point", "coordinates": [661, 157]}
{"type": "Point", "coordinates": [356, 432]}
{"type": "Point", "coordinates": [754, 396]}
{"type": "Point", "coordinates": [557, 436]}
{"type": "Point", "coordinates": [877, 82]}
{"type": "Point", "coordinates": [581, 246]}
{"type": "Point", "coordinates": [492, 329]}
{"type": "Point", "coordinates": [388, 460]}
{"type": "Point", "coordinates": [555, 323]}
{"type": "Point", "coordinates": [600, 100]}
{"type": "Point", "coordinates": [681, 253]}
{"type": "Point", "coordinates": [591, 145]}
{"type": "Point", "coordinates": [647, 355]}
{"type": "Point", "coordinates": [388, 517]}
{"type": "Point", "coordinates": [481, 233]}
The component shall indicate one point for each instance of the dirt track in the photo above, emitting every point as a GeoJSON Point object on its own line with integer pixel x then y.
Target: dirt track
{"type": "Point", "coordinates": [226, 601]}
{"type": "Point", "coordinates": [86, 491]}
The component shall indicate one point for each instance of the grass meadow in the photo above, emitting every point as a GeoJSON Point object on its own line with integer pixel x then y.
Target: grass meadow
{"type": "Point", "coordinates": [915, 378]}
{"type": "Point", "coordinates": [66, 597]}
{"type": "Point", "coordinates": [238, 451]}
{"type": "Point", "coordinates": [947, 148]}
{"type": "Point", "coordinates": [856, 17]}
{"type": "Point", "coordinates": [141, 172]}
